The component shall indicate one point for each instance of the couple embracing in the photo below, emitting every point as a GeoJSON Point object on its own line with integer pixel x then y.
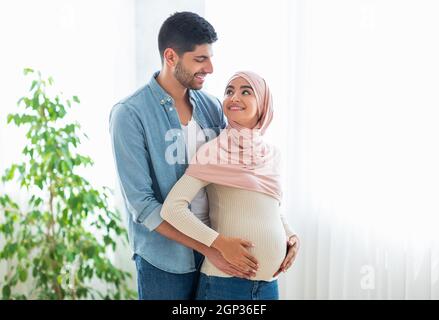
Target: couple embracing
{"type": "Point", "coordinates": [204, 224]}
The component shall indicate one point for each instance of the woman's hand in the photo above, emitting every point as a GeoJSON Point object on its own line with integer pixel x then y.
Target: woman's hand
{"type": "Point", "coordinates": [293, 245]}
{"type": "Point", "coordinates": [216, 258]}
{"type": "Point", "coordinates": [234, 250]}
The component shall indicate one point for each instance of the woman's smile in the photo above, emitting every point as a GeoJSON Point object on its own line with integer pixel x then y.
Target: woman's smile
{"type": "Point", "coordinates": [235, 107]}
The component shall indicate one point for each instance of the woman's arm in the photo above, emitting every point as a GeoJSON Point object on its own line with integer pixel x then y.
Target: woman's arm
{"type": "Point", "coordinates": [175, 211]}
{"type": "Point", "coordinates": [288, 230]}
{"type": "Point", "coordinates": [293, 245]}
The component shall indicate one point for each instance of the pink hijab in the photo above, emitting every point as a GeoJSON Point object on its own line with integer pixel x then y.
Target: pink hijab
{"type": "Point", "coordinates": [239, 157]}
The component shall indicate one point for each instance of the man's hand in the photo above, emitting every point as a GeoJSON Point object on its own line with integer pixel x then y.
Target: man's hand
{"type": "Point", "coordinates": [234, 250]}
{"type": "Point", "coordinates": [218, 261]}
{"type": "Point", "coordinates": [293, 245]}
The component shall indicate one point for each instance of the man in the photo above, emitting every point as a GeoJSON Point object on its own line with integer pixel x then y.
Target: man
{"type": "Point", "coordinates": [143, 128]}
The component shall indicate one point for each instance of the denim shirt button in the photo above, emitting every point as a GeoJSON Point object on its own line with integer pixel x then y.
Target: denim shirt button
{"type": "Point", "coordinates": [170, 109]}
{"type": "Point", "coordinates": [162, 102]}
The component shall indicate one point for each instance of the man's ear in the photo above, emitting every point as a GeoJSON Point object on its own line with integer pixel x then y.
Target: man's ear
{"type": "Point", "coordinates": [170, 57]}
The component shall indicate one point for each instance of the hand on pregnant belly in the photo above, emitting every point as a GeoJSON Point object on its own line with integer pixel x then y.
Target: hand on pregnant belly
{"type": "Point", "coordinates": [293, 245]}
{"type": "Point", "coordinates": [234, 250]}
{"type": "Point", "coordinates": [216, 258]}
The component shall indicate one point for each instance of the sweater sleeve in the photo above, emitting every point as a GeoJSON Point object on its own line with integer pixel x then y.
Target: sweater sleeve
{"type": "Point", "coordinates": [176, 212]}
{"type": "Point", "coordinates": [288, 231]}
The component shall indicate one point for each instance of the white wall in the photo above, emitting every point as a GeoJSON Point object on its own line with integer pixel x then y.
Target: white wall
{"type": "Point", "coordinates": [150, 15]}
{"type": "Point", "coordinates": [88, 48]}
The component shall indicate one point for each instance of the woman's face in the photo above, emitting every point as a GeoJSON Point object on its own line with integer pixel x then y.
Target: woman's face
{"type": "Point", "coordinates": [240, 103]}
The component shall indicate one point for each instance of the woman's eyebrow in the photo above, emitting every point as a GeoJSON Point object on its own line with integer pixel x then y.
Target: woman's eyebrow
{"type": "Point", "coordinates": [242, 87]}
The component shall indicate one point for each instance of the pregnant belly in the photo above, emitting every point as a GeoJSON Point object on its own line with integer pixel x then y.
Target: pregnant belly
{"type": "Point", "coordinates": [270, 247]}
{"type": "Point", "coordinates": [270, 251]}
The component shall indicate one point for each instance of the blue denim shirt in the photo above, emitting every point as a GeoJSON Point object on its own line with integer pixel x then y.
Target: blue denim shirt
{"type": "Point", "coordinates": [145, 130]}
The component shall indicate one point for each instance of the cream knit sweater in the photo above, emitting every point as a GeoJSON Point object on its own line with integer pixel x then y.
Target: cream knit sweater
{"type": "Point", "coordinates": [234, 212]}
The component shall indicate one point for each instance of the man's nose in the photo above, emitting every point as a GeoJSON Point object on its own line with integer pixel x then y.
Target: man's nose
{"type": "Point", "coordinates": [209, 66]}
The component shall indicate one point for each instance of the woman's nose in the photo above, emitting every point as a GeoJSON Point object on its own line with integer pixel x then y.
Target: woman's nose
{"type": "Point", "coordinates": [235, 97]}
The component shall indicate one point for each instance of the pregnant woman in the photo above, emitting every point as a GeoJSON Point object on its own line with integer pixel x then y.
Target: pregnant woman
{"type": "Point", "coordinates": [240, 173]}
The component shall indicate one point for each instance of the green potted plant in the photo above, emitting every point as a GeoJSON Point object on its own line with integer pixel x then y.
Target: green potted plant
{"type": "Point", "coordinates": [58, 242]}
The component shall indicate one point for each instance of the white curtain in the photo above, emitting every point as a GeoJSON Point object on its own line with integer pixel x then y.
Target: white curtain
{"type": "Point", "coordinates": [365, 186]}
{"type": "Point", "coordinates": [355, 86]}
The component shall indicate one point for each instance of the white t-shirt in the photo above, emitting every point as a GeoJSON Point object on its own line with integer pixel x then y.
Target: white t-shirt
{"type": "Point", "coordinates": [194, 138]}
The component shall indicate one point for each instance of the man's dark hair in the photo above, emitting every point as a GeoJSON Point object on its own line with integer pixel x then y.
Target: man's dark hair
{"type": "Point", "coordinates": [182, 31]}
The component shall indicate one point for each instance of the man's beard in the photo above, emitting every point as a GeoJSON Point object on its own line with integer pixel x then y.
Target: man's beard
{"type": "Point", "coordinates": [185, 78]}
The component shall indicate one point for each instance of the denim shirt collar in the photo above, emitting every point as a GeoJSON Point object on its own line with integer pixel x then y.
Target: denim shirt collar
{"type": "Point", "coordinates": [163, 97]}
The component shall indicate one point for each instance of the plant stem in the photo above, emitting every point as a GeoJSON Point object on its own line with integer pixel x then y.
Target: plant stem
{"type": "Point", "coordinates": [56, 286]}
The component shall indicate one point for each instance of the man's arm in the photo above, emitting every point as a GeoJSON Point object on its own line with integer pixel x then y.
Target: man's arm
{"type": "Point", "coordinates": [131, 160]}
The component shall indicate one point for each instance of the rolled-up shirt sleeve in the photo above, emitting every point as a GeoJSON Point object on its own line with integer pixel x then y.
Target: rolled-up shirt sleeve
{"type": "Point", "coordinates": [132, 160]}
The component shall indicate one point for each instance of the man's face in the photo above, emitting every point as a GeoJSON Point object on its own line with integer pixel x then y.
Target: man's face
{"type": "Point", "coordinates": [193, 66]}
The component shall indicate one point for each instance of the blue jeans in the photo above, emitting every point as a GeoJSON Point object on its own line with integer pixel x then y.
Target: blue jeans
{"type": "Point", "coordinates": [219, 288]}
{"type": "Point", "coordinates": [156, 284]}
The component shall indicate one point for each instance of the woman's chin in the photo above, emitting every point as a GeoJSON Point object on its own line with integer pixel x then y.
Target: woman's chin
{"type": "Point", "coordinates": [237, 120]}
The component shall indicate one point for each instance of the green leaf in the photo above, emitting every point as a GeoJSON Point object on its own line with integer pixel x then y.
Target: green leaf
{"type": "Point", "coordinates": [21, 252]}
{"type": "Point", "coordinates": [26, 71]}
{"type": "Point", "coordinates": [10, 117]}
{"type": "Point", "coordinates": [9, 250]}
{"type": "Point", "coordinates": [38, 201]}
{"type": "Point", "coordinates": [6, 292]}
{"type": "Point", "coordinates": [34, 83]}
{"type": "Point", "coordinates": [17, 119]}
{"type": "Point", "coordinates": [22, 274]}
{"type": "Point", "coordinates": [39, 183]}
{"type": "Point", "coordinates": [9, 174]}
{"type": "Point", "coordinates": [76, 99]}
